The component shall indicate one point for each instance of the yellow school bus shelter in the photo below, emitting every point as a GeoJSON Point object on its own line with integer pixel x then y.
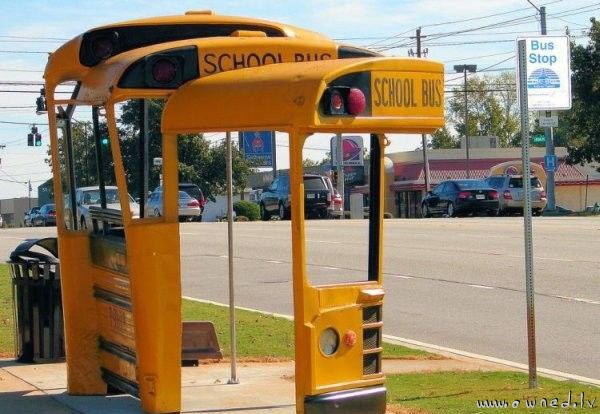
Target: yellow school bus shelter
{"type": "Point", "coordinates": [121, 276]}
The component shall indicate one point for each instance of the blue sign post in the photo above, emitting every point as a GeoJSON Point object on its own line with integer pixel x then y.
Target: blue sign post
{"type": "Point", "coordinates": [550, 163]}
{"type": "Point", "coordinates": [258, 147]}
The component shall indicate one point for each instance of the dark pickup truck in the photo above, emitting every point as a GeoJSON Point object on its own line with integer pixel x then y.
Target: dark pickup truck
{"type": "Point", "coordinates": [275, 201]}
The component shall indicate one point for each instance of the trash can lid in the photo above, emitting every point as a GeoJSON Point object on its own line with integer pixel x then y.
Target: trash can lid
{"type": "Point", "coordinates": [23, 250]}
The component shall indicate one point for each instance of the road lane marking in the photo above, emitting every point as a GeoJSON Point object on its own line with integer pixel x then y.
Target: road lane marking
{"type": "Point", "coordinates": [274, 261]}
{"type": "Point", "coordinates": [403, 277]}
{"type": "Point", "coordinates": [224, 256]}
{"type": "Point", "coordinates": [481, 286]}
{"type": "Point", "coordinates": [430, 347]}
{"type": "Point", "coordinates": [330, 267]}
{"type": "Point", "coordinates": [323, 241]}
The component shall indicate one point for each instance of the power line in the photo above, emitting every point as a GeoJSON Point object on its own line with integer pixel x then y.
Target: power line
{"type": "Point", "coordinates": [21, 123]}
{"type": "Point", "coordinates": [24, 91]}
{"type": "Point", "coordinates": [26, 52]}
{"type": "Point", "coordinates": [21, 70]}
{"type": "Point", "coordinates": [505, 23]}
{"type": "Point", "coordinates": [34, 38]}
{"type": "Point", "coordinates": [17, 107]}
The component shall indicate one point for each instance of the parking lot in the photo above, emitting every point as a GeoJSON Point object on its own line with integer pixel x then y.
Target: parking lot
{"type": "Point", "coordinates": [457, 283]}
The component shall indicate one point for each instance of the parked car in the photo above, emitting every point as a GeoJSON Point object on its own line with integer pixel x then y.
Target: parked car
{"type": "Point", "coordinates": [510, 189]}
{"type": "Point", "coordinates": [29, 214]}
{"type": "Point", "coordinates": [90, 196]}
{"type": "Point", "coordinates": [336, 207]}
{"type": "Point", "coordinates": [195, 192]}
{"type": "Point", "coordinates": [1, 221]}
{"type": "Point", "coordinates": [46, 216]}
{"type": "Point", "coordinates": [460, 197]}
{"type": "Point", "coordinates": [189, 207]}
{"type": "Point", "coordinates": [318, 196]}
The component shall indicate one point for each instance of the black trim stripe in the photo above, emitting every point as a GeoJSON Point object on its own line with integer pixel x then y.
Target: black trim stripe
{"type": "Point", "coordinates": [120, 382]}
{"type": "Point", "coordinates": [114, 298]}
{"type": "Point", "coordinates": [118, 350]}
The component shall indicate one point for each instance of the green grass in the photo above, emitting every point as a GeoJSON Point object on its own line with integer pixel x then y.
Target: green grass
{"type": "Point", "coordinates": [258, 335]}
{"type": "Point", "coordinates": [261, 335]}
{"type": "Point", "coordinates": [7, 339]}
{"type": "Point", "coordinates": [458, 392]}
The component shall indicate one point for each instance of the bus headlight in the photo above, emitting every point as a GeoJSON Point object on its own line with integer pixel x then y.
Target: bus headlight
{"type": "Point", "coordinates": [329, 341]}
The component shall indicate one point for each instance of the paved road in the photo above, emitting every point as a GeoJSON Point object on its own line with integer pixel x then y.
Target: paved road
{"type": "Point", "coordinates": [457, 283]}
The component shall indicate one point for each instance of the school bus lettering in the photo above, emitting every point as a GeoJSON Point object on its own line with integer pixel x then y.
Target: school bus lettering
{"type": "Point", "coordinates": [431, 91]}
{"type": "Point", "coordinates": [409, 93]}
{"type": "Point", "coordinates": [395, 92]}
{"type": "Point", "coordinates": [308, 57]}
{"type": "Point", "coordinates": [220, 62]}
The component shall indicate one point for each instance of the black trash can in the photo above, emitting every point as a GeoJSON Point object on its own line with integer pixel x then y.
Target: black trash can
{"type": "Point", "coordinates": [39, 332]}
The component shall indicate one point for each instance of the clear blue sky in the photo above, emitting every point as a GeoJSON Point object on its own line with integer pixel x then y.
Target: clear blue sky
{"type": "Point", "coordinates": [26, 26]}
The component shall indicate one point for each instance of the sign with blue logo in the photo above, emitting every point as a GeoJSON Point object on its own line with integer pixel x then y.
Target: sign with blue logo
{"type": "Point", "coordinates": [550, 163]}
{"type": "Point", "coordinates": [258, 147]}
{"type": "Point", "coordinates": [548, 73]}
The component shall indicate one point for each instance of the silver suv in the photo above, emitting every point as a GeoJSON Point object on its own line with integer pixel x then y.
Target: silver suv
{"type": "Point", "coordinates": [510, 193]}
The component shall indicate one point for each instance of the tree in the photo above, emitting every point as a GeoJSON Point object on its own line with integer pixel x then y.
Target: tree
{"type": "Point", "coordinates": [199, 162]}
{"type": "Point", "coordinates": [492, 109]}
{"type": "Point", "coordinates": [580, 125]}
{"type": "Point", "coordinates": [442, 138]}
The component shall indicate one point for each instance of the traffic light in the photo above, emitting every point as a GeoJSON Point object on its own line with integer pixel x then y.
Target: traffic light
{"type": "Point", "coordinates": [34, 138]}
{"type": "Point", "coordinates": [40, 102]}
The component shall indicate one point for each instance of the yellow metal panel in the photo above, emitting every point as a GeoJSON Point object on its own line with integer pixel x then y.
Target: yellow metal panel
{"type": "Point", "coordinates": [119, 366]}
{"type": "Point", "coordinates": [63, 64]}
{"type": "Point", "coordinates": [287, 95]}
{"type": "Point", "coordinates": [153, 256]}
{"type": "Point", "coordinates": [113, 282]}
{"type": "Point", "coordinates": [116, 324]}
{"type": "Point", "coordinates": [345, 366]}
{"type": "Point", "coordinates": [79, 307]}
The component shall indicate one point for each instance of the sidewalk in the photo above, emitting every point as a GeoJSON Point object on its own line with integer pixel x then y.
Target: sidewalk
{"type": "Point", "coordinates": [264, 388]}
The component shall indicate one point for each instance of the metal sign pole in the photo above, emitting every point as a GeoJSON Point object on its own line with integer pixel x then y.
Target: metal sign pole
{"type": "Point", "coordinates": [232, 332]}
{"type": "Point", "coordinates": [341, 182]}
{"type": "Point", "coordinates": [531, 346]}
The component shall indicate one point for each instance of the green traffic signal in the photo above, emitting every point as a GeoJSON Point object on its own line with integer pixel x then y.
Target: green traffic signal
{"type": "Point", "coordinates": [38, 140]}
{"type": "Point", "coordinates": [104, 141]}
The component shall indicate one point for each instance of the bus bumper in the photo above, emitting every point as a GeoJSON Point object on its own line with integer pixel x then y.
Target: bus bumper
{"type": "Point", "coordinates": [369, 400]}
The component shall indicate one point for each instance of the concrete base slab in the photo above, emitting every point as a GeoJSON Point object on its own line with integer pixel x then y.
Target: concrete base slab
{"type": "Point", "coordinates": [263, 388]}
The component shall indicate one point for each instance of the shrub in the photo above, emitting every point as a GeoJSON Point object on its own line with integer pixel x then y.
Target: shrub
{"type": "Point", "coordinates": [247, 209]}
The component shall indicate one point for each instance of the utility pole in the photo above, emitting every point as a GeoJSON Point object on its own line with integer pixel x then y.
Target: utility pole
{"type": "Point", "coordinates": [29, 193]}
{"type": "Point", "coordinates": [548, 131]}
{"type": "Point", "coordinates": [548, 134]}
{"type": "Point", "coordinates": [423, 136]}
{"type": "Point", "coordinates": [464, 69]}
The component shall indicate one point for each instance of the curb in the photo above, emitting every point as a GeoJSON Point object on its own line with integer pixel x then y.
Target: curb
{"type": "Point", "coordinates": [549, 373]}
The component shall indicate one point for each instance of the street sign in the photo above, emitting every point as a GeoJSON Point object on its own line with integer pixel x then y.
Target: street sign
{"type": "Point", "coordinates": [550, 163]}
{"type": "Point", "coordinates": [157, 161]}
{"type": "Point", "coordinates": [548, 121]}
{"type": "Point", "coordinates": [548, 72]}
{"type": "Point", "coordinates": [538, 139]}
{"type": "Point", "coordinates": [352, 149]}
{"type": "Point", "coordinates": [258, 147]}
